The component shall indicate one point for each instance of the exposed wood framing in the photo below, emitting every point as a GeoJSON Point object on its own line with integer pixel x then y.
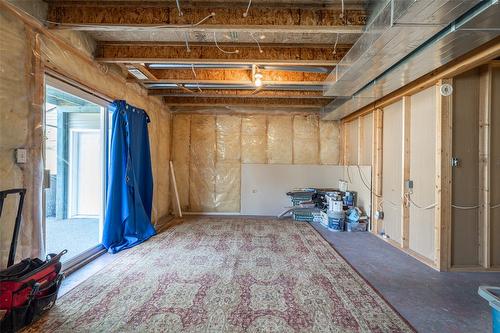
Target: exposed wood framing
{"type": "Point", "coordinates": [377, 165]}
{"type": "Point", "coordinates": [322, 55]}
{"type": "Point", "coordinates": [260, 17]}
{"type": "Point", "coordinates": [240, 93]}
{"type": "Point", "coordinates": [225, 101]}
{"type": "Point", "coordinates": [405, 208]}
{"type": "Point", "coordinates": [485, 83]}
{"type": "Point", "coordinates": [477, 57]}
{"type": "Point", "coordinates": [442, 224]}
{"type": "Point", "coordinates": [233, 75]}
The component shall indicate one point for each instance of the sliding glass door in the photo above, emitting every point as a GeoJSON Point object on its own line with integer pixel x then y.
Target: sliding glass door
{"type": "Point", "coordinates": [76, 133]}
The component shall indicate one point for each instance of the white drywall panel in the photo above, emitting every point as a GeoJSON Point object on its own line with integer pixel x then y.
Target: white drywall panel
{"type": "Point", "coordinates": [264, 186]}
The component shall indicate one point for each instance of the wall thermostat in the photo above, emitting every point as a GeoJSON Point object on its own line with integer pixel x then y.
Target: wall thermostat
{"type": "Point", "coordinates": [446, 89]}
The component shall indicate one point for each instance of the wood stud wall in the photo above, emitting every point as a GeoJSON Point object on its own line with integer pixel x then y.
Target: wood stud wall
{"type": "Point", "coordinates": [489, 163]}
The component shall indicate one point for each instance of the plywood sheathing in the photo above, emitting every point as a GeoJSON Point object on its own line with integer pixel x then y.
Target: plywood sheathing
{"type": "Point", "coordinates": [233, 139]}
{"type": "Point", "coordinates": [248, 102]}
{"type": "Point", "coordinates": [248, 53]}
{"type": "Point", "coordinates": [184, 75]}
{"type": "Point", "coordinates": [93, 13]}
{"type": "Point", "coordinates": [249, 93]}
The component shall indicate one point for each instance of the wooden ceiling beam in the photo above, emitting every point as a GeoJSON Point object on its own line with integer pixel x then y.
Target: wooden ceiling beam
{"type": "Point", "coordinates": [225, 102]}
{"type": "Point", "coordinates": [185, 75]}
{"type": "Point", "coordinates": [93, 15]}
{"type": "Point", "coordinates": [234, 93]}
{"type": "Point", "coordinates": [209, 53]}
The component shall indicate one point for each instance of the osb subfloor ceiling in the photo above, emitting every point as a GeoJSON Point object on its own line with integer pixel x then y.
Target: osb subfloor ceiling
{"type": "Point", "coordinates": [221, 53]}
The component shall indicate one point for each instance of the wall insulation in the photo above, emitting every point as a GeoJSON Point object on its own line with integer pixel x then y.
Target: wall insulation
{"type": "Point", "coordinates": [422, 171]}
{"type": "Point", "coordinates": [465, 189]}
{"type": "Point", "coordinates": [495, 169]}
{"type": "Point", "coordinates": [25, 55]}
{"type": "Point", "coordinates": [352, 142]}
{"type": "Point", "coordinates": [366, 140]}
{"type": "Point", "coordinates": [208, 150]}
{"type": "Point", "coordinates": [392, 171]}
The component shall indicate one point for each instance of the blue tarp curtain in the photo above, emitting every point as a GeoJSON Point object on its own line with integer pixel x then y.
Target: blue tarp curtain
{"type": "Point", "coordinates": [130, 180]}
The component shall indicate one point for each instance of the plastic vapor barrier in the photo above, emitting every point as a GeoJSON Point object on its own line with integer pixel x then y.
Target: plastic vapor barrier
{"type": "Point", "coordinates": [209, 149]}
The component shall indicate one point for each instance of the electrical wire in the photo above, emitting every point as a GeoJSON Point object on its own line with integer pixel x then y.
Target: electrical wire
{"type": "Point", "coordinates": [245, 14]}
{"type": "Point", "coordinates": [465, 207]}
{"type": "Point", "coordinates": [197, 83]}
{"type": "Point", "coordinates": [224, 51]}
{"type": "Point", "coordinates": [335, 45]}
{"type": "Point", "coordinates": [258, 44]}
{"type": "Point", "coordinates": [179, 8]}
{"type": "Point", "coordinates": [131, 27]}
{"type": "Point", "coordinates": [342, 12]}
{"type": "Point", "coordinates": [186, 41]}
{"type": "Point", "coordinates": [494, 206]}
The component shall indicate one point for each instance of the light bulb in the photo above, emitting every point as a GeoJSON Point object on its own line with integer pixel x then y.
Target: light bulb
{"type": "Point", "coordinates": [257, 79]}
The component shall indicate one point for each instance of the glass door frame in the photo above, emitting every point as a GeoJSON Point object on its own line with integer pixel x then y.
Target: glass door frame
{"type": "Point", "coordinates": [59, 82]}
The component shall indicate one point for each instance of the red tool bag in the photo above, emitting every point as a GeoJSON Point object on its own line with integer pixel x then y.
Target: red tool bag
{"type": "Point", "coordinates": [27, 289]}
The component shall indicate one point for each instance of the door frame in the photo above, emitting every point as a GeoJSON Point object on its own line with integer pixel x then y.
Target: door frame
{"type": "Point", "coordinates": [58, 81]}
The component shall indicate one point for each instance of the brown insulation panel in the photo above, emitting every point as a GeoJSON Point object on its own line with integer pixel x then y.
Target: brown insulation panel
{"type": "Point", "coordinates": [228, 137]}
{"type": "Point", "coordinates": [279, 140]}
{"type": "Point", "coordinates": [253, 139]}
{"type": "Point", "coordinates": [306, 139]}
{"type": "Point", "coordinates": [465, 189]}
{"type": "Point", "coordinates": [329, 134]}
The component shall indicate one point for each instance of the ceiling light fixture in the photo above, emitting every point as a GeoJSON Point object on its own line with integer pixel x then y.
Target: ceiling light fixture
{"type": "Point", "coordinates": [257, 79]}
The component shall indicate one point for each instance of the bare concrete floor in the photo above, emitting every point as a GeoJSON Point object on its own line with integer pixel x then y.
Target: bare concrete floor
{"type": "Point", "coordinates": [431, 301]}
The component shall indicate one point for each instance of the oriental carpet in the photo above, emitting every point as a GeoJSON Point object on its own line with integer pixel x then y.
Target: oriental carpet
{"type": "Point", "coordinates": [225, 274]}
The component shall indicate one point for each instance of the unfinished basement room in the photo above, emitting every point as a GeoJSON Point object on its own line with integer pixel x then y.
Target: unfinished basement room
{"type": "Point", "coordinates": [264, 166]}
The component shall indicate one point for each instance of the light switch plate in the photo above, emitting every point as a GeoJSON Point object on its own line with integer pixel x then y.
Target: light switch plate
{"type": "Point", "coordinates": [21, 156]}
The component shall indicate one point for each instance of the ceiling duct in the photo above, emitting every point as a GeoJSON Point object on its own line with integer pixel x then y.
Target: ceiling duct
{"type": "Point", "coordinates": [473, 29]}
{"type": "Point", "coordinates": [397, 29]}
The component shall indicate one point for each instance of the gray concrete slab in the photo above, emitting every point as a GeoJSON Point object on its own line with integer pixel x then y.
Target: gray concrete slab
{"type": "Point", "coordinates": [431, 301]}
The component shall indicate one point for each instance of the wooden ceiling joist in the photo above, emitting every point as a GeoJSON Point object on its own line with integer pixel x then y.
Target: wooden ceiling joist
{"type": "Point", "coordinates": [233, 93]}
{"type": "Point", "coordinates": [100, 16]}
{"type": "Point", "coordinates": [225, 102]}
{"type": "Point", "coordinates": [209, 53]}
{"type": "Point", "coordinates": [222, 75]}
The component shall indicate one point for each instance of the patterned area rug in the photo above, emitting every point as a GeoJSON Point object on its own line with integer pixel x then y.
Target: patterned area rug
{"type": "Point", "coordinates": [226, 275]}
